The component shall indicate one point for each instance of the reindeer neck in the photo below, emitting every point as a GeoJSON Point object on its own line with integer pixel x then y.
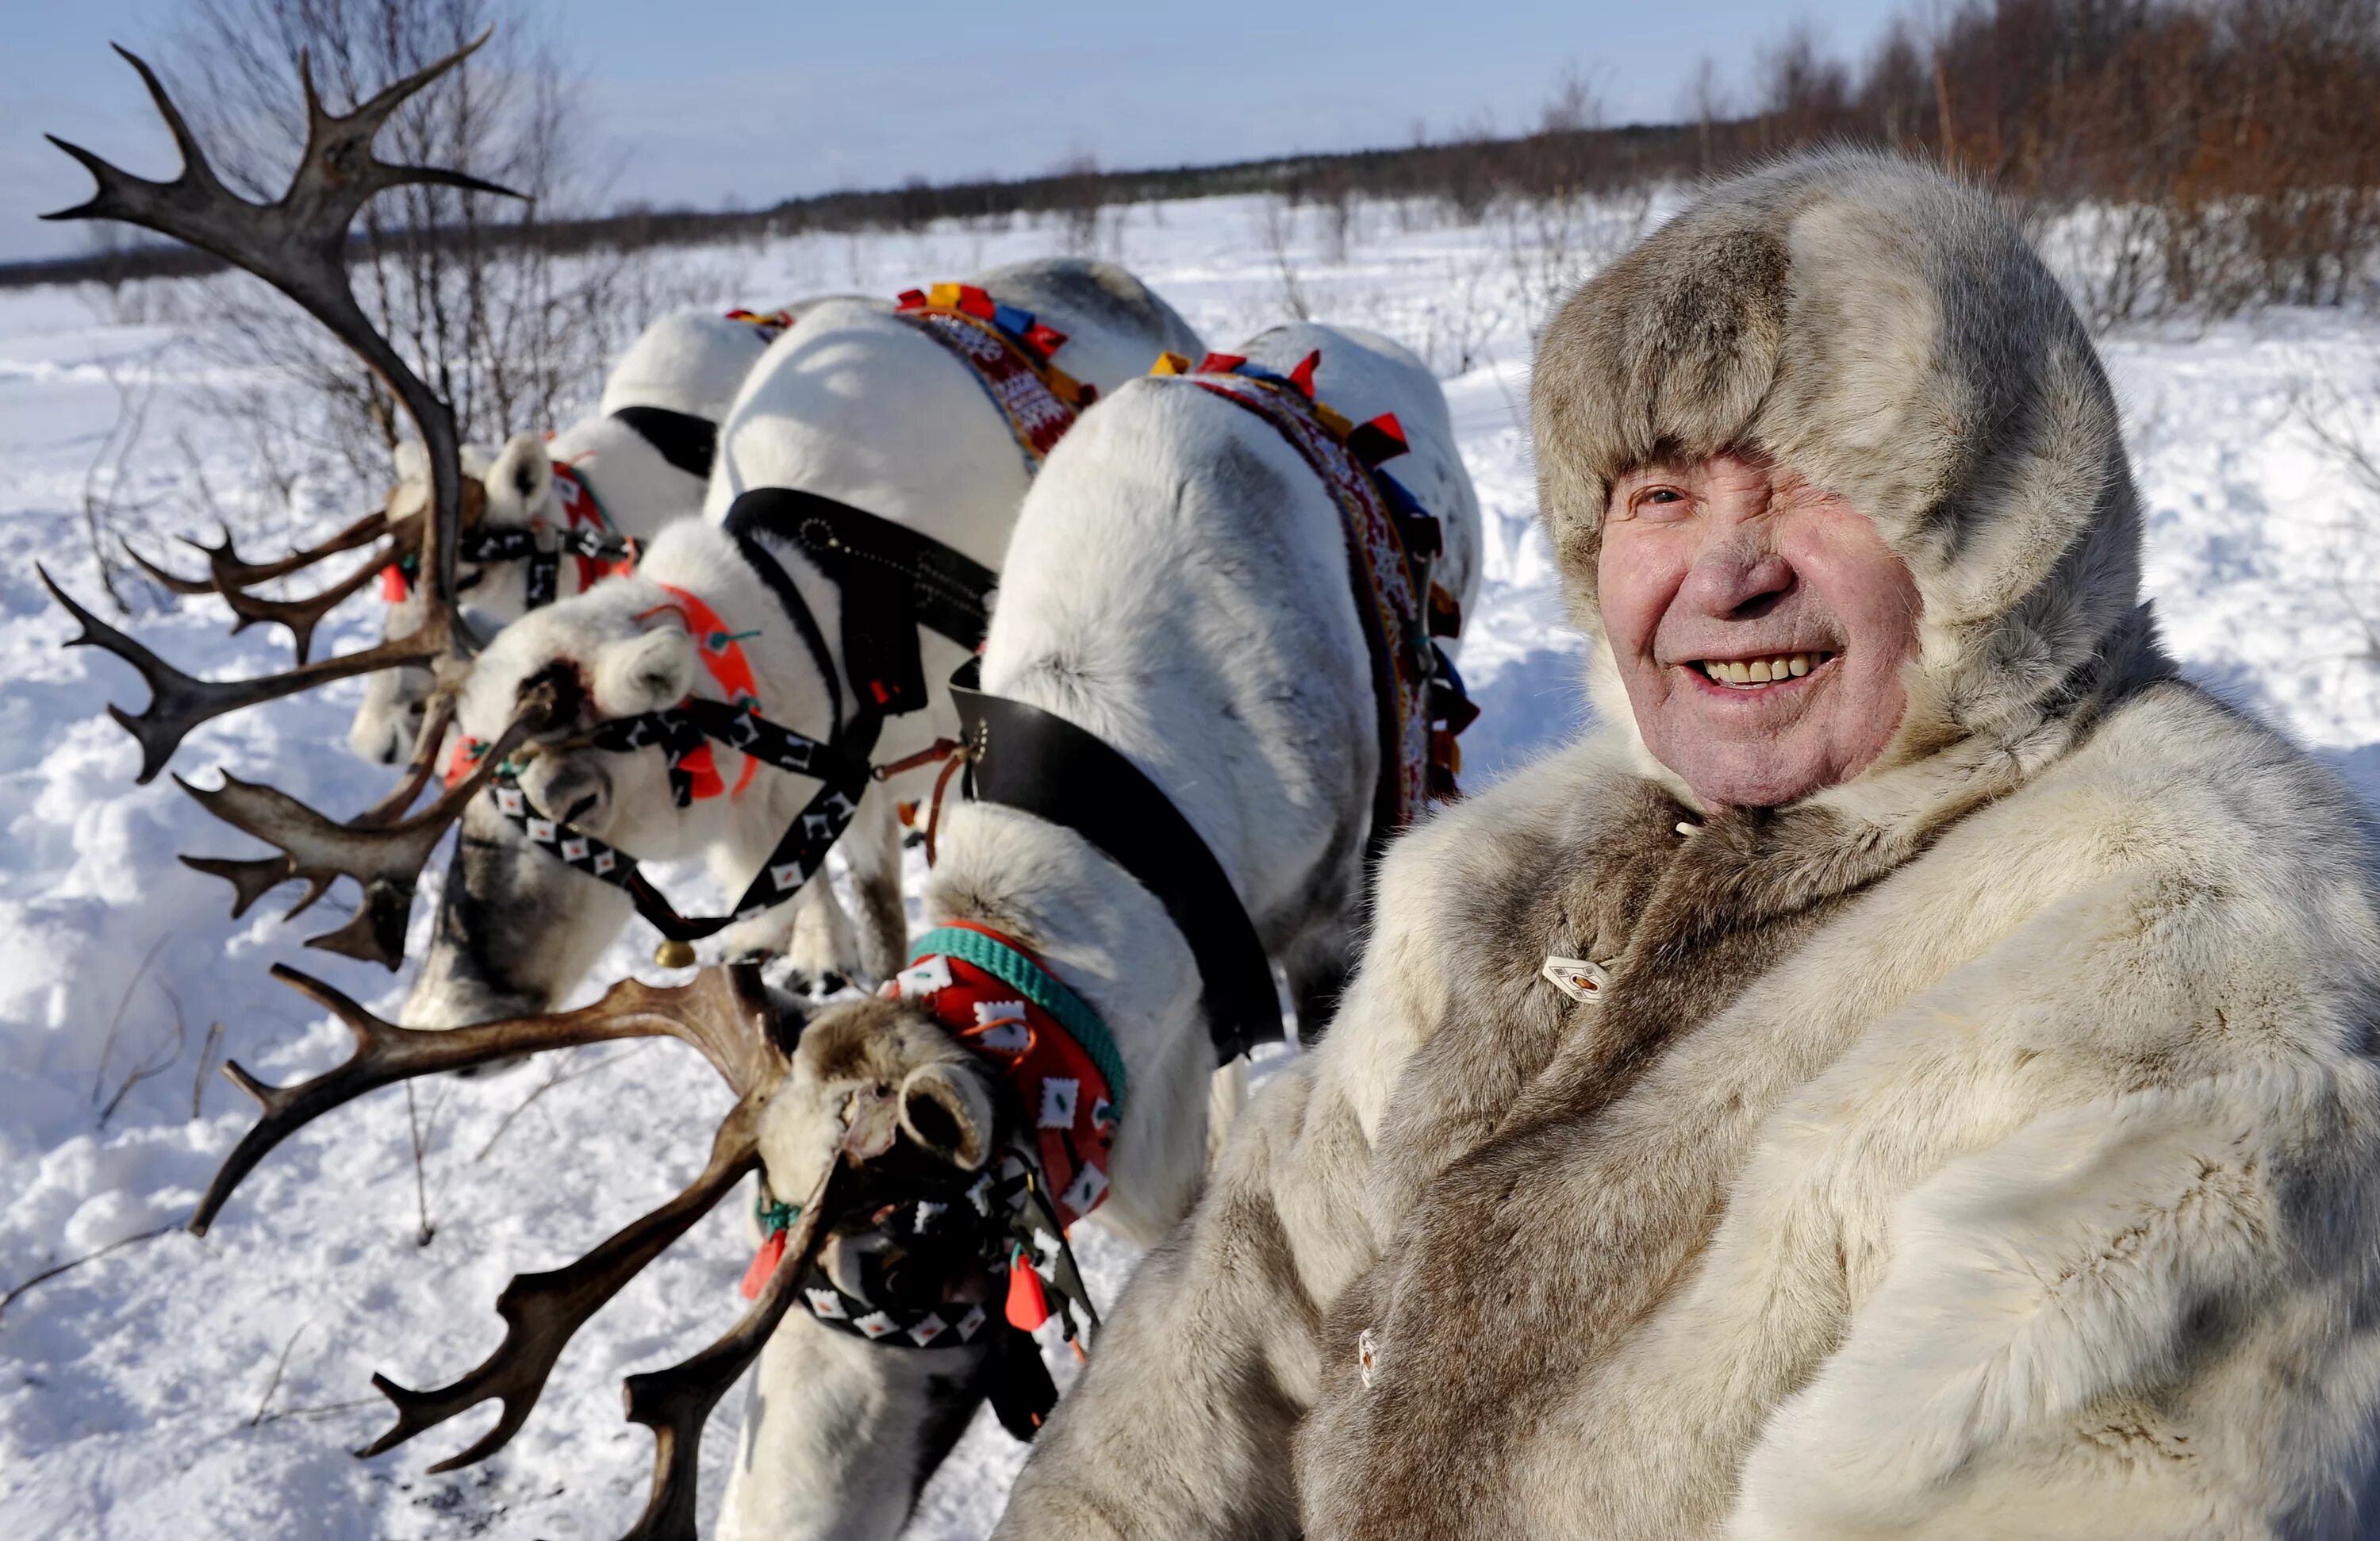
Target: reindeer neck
{"type": "Point", "coordinates": [1111, 941]}
{"type": "Point", "coordinates": [638, 490]}
{"type": "Point", "coordinates": [711, 567]}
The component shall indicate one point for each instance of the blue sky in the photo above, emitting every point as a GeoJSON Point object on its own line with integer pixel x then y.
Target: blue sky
{"type": "Point", "coordinates": [708, 101]}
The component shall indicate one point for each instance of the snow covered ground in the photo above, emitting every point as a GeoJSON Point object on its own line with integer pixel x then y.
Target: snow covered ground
{"type": "Point", "coordinates": [195, 1389]}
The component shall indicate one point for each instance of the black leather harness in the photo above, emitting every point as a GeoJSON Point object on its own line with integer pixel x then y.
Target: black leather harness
{"type": "Point", "coordinates": [1024, 758]}
{"type": "Point", "coordinates": [892, 581]}
{"type": "Point", "coordinates": [689, 443]}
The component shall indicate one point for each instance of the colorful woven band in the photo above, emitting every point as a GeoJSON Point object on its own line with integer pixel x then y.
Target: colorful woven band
{"type": "Point", "coordinates": [1036, 985]}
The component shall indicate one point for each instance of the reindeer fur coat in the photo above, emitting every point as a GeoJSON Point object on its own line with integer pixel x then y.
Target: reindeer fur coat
{"type": "Point", "coordinates": [1983, 1147]}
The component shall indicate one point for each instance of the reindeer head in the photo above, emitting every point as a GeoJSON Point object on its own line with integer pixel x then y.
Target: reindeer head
{"type": "Point", "coordinates": [880, 1080]}
{"type": "Point", "coordinates": [517, 928]}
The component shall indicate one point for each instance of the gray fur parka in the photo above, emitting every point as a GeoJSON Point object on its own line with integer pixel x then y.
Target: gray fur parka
{"type": "Point", "coordinates": [1985, 1146]}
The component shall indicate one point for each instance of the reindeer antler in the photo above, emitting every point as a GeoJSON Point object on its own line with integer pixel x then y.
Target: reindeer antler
{"type": "Point", "coordinates": [298, 244]}
{"type": "Point", "coordinates": [225, 569]}
{"type": "Point", "coordinates": [725, 1015]}
{"type": "Point", "coordinates": [677, 1403]}
{"type": "Point", "coordinates": [232, 580]}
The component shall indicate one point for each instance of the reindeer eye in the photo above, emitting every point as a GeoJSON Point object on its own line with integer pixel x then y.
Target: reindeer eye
{"type": "Point", "coordinates": [570, 690]}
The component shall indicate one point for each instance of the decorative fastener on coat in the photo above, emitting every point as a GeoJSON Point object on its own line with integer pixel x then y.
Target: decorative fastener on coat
{"type": "Point", "coordinates": [1579, 980]}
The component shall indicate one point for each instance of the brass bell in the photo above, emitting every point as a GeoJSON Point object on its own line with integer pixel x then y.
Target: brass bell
{"type": "Point", "coordinates": [674, 953]}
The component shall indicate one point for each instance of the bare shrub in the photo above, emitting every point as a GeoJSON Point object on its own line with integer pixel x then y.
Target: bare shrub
{"type": "Point", "coordinates": [1276, 229]}
{"type": "Point", "coordinates": [1805, 95]}
{"type": "Point", "coordinates": [1077, 197]}
{"type": "Point", "coordinates": [1459, 316]}
{"type": "Point", "coordinates": [510, 326]}
{"type": "Point", "coordinates": [2219, 154]}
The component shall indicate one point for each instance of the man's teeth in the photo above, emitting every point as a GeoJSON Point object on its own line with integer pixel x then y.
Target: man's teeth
{"type": "Point", "coordinates": [1762, 671]}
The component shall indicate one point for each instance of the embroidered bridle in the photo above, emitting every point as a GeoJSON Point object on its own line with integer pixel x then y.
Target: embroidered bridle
{"type": "Point", "coordinates": [589, 536]}
{"type": "Point", "coordinates": [892, 582]}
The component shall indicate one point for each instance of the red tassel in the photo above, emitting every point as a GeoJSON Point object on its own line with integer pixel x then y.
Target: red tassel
{"type": "Point", "coordinates": [764, 1263]}
{"type": "Point", "coordinates": [1045, 339]}
{"type": "Point", "coordinates": [1303, 376]}
{"type": "Point", "coordinates": [1027, 1306]}
{"type": "Point", "coordinates": [1219, 363]}
{"type": "Point", "coordinates": [465, 759]}
{"type": "Point", "coordinates": [704, 772]}
{"type": "Point", "coordinates": [976, 302]}
{"type": "Point", "coordinates": [913, 299]}
{"type": "Point", "coordinates": [393, 585]}
{"type": "Point", "coordinates": [1383, 438]}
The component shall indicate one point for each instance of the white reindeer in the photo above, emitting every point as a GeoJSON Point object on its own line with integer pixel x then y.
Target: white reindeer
{"type": "Point", "coordinates": [1179, 585]}
{"type": "Point", "coordinates": [642, 457]}
{"type": "Point", "coordinates": [852, 403]}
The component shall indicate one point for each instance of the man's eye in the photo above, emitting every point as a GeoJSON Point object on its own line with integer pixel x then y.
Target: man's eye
{"type": "Point", "coordinates": [1653, 497]}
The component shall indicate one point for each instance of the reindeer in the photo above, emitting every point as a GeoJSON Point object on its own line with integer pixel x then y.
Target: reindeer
{"type": "Point", "coordinates": [298, 243]}
{"type": "Point", "coordinates": [1173, 594]}
{"type": "Point", "coordinates": [852, 405]}
{"type": "Point", "coordinates": [1179, 585]}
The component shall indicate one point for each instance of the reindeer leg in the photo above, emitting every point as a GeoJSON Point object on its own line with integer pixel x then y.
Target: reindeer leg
{"type": "Point", "coordinates": [872, 846]}
{"type": "Point", "coordinates": [820, 944]}
{"type": "Point", "coordinates": [840, 1434]}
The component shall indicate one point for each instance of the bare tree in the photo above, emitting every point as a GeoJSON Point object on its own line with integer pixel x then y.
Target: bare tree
{"type": "Point", "coordinates": [1277, 226]}
{"type": "Point", "coordinates": [1705, 105]}
{"type": "Point", "coordinates": [1079, 196]}
{"type": "Point", "coordinates": [512, 331]}
{"type": "Point", "coordinates": [1805, 95]}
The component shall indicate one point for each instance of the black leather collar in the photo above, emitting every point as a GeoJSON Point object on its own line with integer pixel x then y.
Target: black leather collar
{"type": "Point", "coordinates": [892, 580]}
{"type": "Point", "coordinates": [1037, 762]}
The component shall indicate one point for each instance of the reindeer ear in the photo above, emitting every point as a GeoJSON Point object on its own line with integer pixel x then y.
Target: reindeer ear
{"type": "Point", "coordinates": [948, 1112]}
{"type": "Point", "coordinates": [521, 476]}
{"type": "Point", "coordinates": [644, 672]}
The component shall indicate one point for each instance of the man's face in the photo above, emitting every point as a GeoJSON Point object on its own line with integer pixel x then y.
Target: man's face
{"type": "Point", "coordinates": [1760, 625]}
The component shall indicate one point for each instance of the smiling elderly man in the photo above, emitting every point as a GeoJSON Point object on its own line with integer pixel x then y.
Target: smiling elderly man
{"type": "Point", "coordinates": [1907, 1075]}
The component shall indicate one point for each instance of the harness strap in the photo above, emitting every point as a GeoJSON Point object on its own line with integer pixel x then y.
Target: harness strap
{"type": "Point", "coordinates": [1391, 544]}
{"type": "Point", "coordinates": [689, 443]}
{"type": "Point", "coordinates": [485, 546]}
{"type": "Point", "coordinates": [1037, 762]}
{"type": "Point", "coordinates": [1012, 357]}
{"type": "Point", "coordinates": [1021, 971]}
{"type": "Point", "coordinates": [679, 730]}
{"type": "Point", "coordinates": [892, 580]}
{"type": "Point", "coordinates": [797, 609]}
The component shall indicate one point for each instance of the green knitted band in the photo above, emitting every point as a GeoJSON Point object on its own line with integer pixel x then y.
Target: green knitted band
{"type": "Point", "coordinates": [1034, 983]}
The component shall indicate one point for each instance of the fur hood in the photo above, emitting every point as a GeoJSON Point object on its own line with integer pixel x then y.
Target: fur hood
{"type": "Point", "coordinates": [1888, 332]}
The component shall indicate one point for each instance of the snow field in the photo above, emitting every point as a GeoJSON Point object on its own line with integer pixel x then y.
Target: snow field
{"type": "Point", "coordinates": [198, 1388]}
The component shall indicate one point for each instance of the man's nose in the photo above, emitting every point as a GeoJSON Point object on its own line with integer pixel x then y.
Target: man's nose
{"type": "Point", "coordinates": [1735, 570]}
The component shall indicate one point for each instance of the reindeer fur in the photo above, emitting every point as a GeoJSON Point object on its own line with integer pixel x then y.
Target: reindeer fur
{"type": "Point", "coordinates": [1178, 585]}
{"type": "Point", "coordinates": [1985, 1146]}
{"type": "Point", "coordinates": [849, 403]}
